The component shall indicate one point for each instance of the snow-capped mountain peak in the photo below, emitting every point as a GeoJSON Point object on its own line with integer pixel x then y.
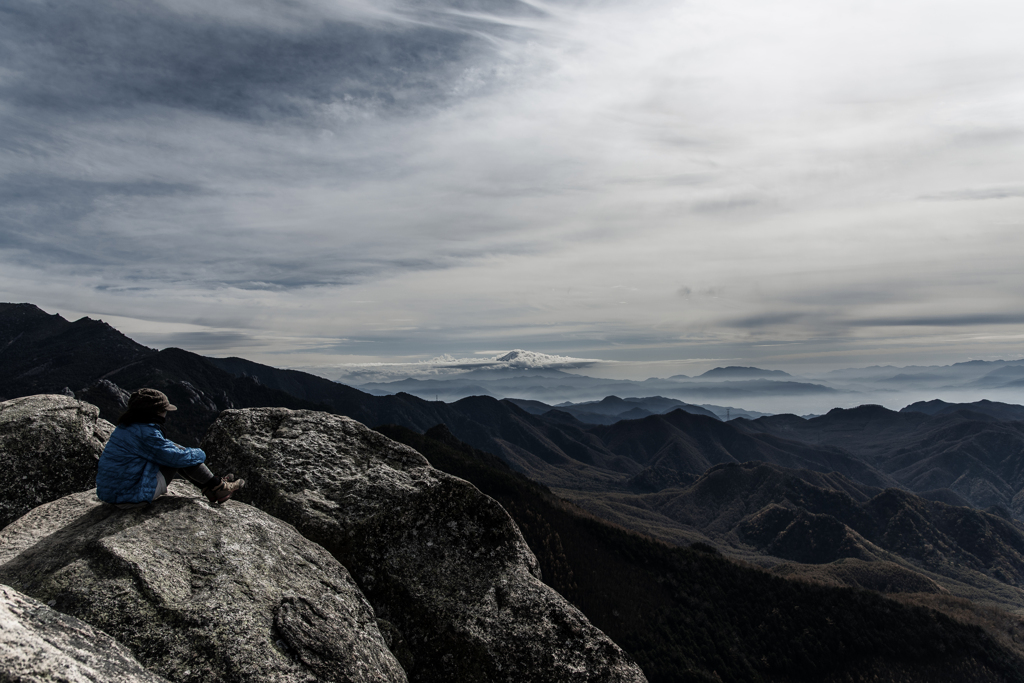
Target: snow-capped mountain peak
{"type": "Point", "coordinates": [520, 358]}
{"type": "Point", "coordinates": [448, 365]}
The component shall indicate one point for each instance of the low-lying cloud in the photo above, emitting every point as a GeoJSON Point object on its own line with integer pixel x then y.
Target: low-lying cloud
{"type": "Point", "coordinates": [448, 366]}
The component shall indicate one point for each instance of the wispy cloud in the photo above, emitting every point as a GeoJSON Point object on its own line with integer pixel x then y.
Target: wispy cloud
{"type": "Point", "coordinates": [576, 177]}
{"type": "Point", "coordinates": [966, 320]}
{"type": "Point", "coordinates": [977, 194]}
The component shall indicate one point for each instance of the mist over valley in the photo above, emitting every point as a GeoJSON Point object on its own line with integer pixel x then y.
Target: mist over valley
{"type": "Point", "coordinates": [556, 381]}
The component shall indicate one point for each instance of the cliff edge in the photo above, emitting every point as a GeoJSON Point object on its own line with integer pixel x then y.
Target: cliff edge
{"type": "Point", "coordinates": [442, 585]}
{"type": "Point", "coordinates": [435, 557]}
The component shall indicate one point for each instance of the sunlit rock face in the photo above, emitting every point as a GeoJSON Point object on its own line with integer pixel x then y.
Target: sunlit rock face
{"type": "Point", "coordinates": [440, 561]}
{"type": "Point", "coordinates": [199, 593]}
{"type": "Point", "coordinates": [41, 644]}
{"type": "Point", "coordinates": [49, 447]}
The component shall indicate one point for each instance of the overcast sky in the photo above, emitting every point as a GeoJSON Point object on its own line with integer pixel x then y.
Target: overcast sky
{"type": "Point", "coordinates": [671, 185]}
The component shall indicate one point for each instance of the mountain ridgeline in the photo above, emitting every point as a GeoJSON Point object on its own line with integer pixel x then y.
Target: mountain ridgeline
{"type": "Point", "coordinates": [691, 614]}
{"type": "Point", "coordinates": [924, 505]}
{"type": "Point", "coordinates": [351, 557]}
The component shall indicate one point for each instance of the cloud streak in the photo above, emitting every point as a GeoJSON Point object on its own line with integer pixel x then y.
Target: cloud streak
{"type": "Point", "coordinates": [641, 182]}
{"type": "Point", "coordinates": [977, 194]}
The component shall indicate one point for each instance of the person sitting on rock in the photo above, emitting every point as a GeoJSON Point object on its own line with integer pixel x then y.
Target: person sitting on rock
{"type": "Point", "coordinates": [139, 462]}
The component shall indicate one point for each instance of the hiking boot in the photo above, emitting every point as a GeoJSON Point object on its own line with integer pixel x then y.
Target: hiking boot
{"type": "Point", "coordinates": [227, 487]}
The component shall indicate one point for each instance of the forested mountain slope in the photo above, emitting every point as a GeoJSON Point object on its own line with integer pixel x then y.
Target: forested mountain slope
{"type": "Point", "coordinates": [691, 614]}
{"type": "Point", "coordinates": [974, 454]}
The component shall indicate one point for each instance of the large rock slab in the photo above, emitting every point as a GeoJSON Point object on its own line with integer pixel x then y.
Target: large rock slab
{"type": "Point", "coordinates": [49, 447]}
{"type": "Point", "coordinates": [41, 644]}
{"type": "Point", "coordinates": [438, 559]}
{"type": "Point", "coordinates": [200, 593]}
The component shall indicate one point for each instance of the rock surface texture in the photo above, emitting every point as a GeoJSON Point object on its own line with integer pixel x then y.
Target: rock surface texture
{"type": "Point", "coordinates": [41, 644]}
{"type": "Point", "coordinates": [49, 447]}
{"type": "Point", "coordinates": [440, 561]}
{"type": "Point", "coordinates": [199, 593]}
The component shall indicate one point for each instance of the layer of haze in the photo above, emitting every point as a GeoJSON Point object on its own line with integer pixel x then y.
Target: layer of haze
{"type": "Point", "coordinates": [670, 185]}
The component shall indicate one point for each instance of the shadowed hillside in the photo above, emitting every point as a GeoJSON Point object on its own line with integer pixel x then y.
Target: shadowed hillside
{"type": "Point", "coordinates": [691, 614]}
{"type": "Point", "coordinates": [691, 444]}
{"type": "Point", "coordinates": [966, 448]}
{"type": "Point", "coordinates": [762, 510]}
{"type": "Point", "coordinates": [44, 353]}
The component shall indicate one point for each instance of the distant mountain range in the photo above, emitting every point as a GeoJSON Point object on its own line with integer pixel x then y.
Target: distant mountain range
{"type": "Point", "coordinates": [755, 389]}
{"type": "Point", "coordinates": [1005, 377]}
{"type": "Point", "coordinates": [737, 372]}
{"type": "Point", "coordinates": [935, 491]}
{"type": "Point", "coordinates": [612, 409]}
{"type": "Point", "coordinates": [560, 386]}
{"type": "Point", "coordinates": [969, 452]}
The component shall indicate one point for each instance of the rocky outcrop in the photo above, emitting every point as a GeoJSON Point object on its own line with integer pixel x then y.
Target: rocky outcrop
{"type": "Point", "coordinates": [436, 558]}
{"type": "Point", "coordinates": [49, 447]}
{"type": "Point", "coordinates": [200, 593]}
{"type": "Point", "coordinates": [111, 399]}
{"type": "Point", "coordinates": [41, 644]}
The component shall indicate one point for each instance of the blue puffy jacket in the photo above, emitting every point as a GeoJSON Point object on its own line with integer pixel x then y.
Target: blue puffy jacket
{"type": "Point", "coordinates": [133, 457]}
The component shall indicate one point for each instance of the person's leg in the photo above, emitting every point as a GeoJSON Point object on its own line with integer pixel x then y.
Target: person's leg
{"type": "Point", "coordinates": [216, 489]}
{"type": "Point", "coordinates": [200, 475]}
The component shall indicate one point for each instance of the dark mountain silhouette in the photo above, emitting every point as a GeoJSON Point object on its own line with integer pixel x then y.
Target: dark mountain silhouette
{"type": "Point", "coordinates": [602, 419]}
{"type": "Point", "coordinates": [612, 409]}
{"type": "Point", "coordinates": [532, 407]}
{"type": "Point", "coordinates": [995, 409]}
{"type": "Point", "coordinates": [603, 467]}
{"type": "Point", "coordinates": [635, 414]}
{"type": "Point", "coordinates": [84, 353]}
{"type": "Point", "coordinates": [690, 444]}
{"type": "Point", "coordinates": [42, 353]}
{"type": "Point", "coordinates": [963, 448]}
{"type": "Point", "coordinates": [550, 450]}
{"type": "Point", "coordinates": [969, 452]}
{"type": "Point", "coordinates": [299, 384]}
{"type": "Point", "coordinates": [549, 447]}
{"type": "Point", "coordinates": [613, 405]}
{"type": "Point", "coordinates": [817, 518]}
{"type": "Point", "coordinates": [46, 354]}
{"type": "Point", "coordinates": [553, 450]}
{"type": "Point", "coordinates": [691, 614]}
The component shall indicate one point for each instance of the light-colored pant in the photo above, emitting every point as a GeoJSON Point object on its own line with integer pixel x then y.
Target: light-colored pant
{"type": "Point", "coordinates": [197, 474]}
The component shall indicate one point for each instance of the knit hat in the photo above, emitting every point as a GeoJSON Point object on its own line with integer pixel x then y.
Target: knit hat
{"type": "Point", "coordinates": [149, 401]}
